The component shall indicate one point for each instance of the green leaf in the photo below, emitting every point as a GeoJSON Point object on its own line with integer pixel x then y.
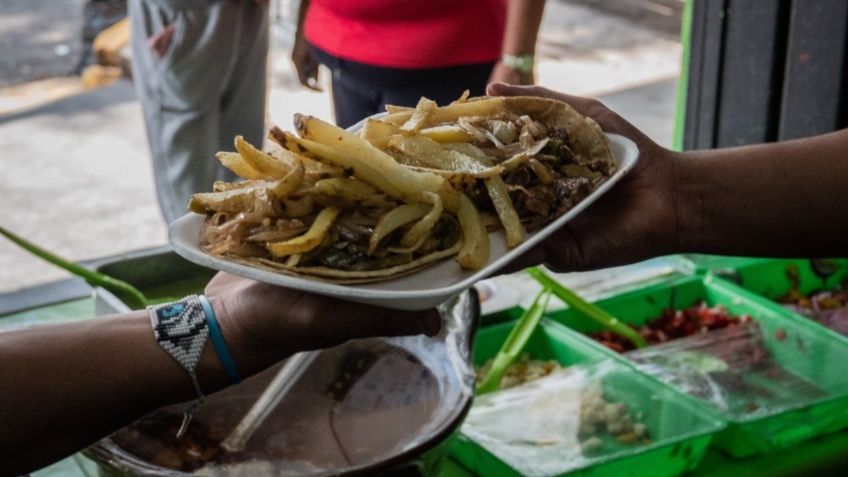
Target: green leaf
{"type": "Point", "coordinates": [515, 342]}
{"type": "Point", "coordinates": [582, 306]}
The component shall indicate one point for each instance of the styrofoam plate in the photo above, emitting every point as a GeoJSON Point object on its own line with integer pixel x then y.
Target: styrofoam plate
{"type": "Point", "coordinates": [421, 290]}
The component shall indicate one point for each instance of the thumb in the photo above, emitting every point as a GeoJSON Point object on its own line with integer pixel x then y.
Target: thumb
{"type": "Point", "coordinates": [503, 89]}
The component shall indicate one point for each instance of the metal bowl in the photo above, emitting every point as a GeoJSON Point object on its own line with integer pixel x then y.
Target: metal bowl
{"type": "Point", "coordinates": [367, 407]}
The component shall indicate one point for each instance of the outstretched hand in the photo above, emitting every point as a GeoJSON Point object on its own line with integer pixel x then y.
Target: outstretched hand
{"type": "Point", "coordinates": [635, 220]}
{"type": "Point", "coordinates": [264, 323]}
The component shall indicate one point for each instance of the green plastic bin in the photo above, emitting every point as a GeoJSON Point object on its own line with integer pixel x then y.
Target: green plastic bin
{"type": "Point", "coordinates": [812, 397]}
{"type": "Point", "coordinates": [680, 428]}
{"type": "Point", "coordinates": [770, 279]}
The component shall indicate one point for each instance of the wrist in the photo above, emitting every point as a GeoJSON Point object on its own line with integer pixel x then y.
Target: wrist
{"type": "Point", "coordinates": [522, 63]}
{"type": "Point", "coordinates": [247, 351]}
{"type": "Point", "coordinates": [689, 185]}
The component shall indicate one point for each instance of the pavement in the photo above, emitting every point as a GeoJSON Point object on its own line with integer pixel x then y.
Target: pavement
{"type": "Point", "coordinates": [76, 175]}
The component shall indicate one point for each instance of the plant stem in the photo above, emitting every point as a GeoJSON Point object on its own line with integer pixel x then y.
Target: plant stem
{"type": "Point", "coordinates": [592, 311]}
{"type": "Point", "coordinates": [136, 299]}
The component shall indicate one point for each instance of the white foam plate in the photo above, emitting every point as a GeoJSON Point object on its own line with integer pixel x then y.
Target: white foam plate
{"type": "Point", "coordinates": [424, 289]}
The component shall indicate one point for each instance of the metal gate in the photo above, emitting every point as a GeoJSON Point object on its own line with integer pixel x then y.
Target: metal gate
{"type": "Point", "coordinates": [765, 70]}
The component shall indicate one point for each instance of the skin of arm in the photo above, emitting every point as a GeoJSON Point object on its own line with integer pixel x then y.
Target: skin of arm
{"type": "Point", "coordinates": [523, 18]}
{"type": "Point", "coordinates": [66, 386]}
{"type": "Point", "coordinates": [304, 63]}
{"type": "Point", "coordinates": [780, 199]}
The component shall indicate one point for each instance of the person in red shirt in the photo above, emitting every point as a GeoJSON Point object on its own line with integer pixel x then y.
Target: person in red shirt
{"type": "Point", "coordinates": [395, 51]}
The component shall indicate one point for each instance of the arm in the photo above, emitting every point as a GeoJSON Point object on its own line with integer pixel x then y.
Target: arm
{"type": "Point", "coordinates": [304, 63]}
{"type": "Point", "coordinates": [65, 386]}
{"type": "Point", "coordinates": [523, 18]}
{"type": "Point", "coordinates": [779, 199]}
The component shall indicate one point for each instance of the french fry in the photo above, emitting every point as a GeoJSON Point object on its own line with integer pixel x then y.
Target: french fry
{"type": "Point", "coordinates": [353, 190]}
{"type": "Point", "coordinates": [411, 249]}
{"type": "Point", "coordinates": [361, 170]}
{"type": "Point", "coordinates": [293, 260]}
{"type": "Point", "coordinates": [370, 164]}
{"type": "Point", "coordinates": [299, 207]}
{"type": "Point", "coordinates": [234, 162]}
{"type": "Point", "coordinates": [483, 107]}
{"type": "Point", "coordinates": [290, 183]}
{"type": "Point", "coordinates": [311, 239]}
{"type": "Point", "coordinates": [378, 132]}
{"type": "Point", "coordinates": [421, 229]}
{"type": "Point", "coordinates": [446, 133]}
{"type": "Point", "coordinates": [515, 232]}
{"type": "Point", "coordinates": [261, 161]}
{"type": "Point", "coordinates": [431, 153]}
{"type": "Point", "coordinates": [222, 186]}
{"type": "Point", "coordinates": [474, 253]}
{"type": "Point", "coordinates": [420, 115]}
{"type": "Point", "coordinates": [258, 199]}
{"type": "Point", "coordinates": [391, 109]}
{"type": "Point", "coordinates": [395, 219]}
{"type": "Point", "coordinates": [284, 139]}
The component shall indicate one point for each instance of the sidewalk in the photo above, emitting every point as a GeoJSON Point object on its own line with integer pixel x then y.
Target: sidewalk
{"type": "Point", "coordinates": [76, 176]}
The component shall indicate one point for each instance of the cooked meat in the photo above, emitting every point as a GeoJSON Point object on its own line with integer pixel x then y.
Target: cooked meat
{"type": "Point", "coordinates": [540, 204]}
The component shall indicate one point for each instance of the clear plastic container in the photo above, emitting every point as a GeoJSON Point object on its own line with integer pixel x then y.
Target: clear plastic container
{"type": "Point", "coordinates": [535, 428]}
{"type": "Point", "coordinates": [777, 382]}
{"type": "Point", "coordinates": [598, 419]}
{"type": "Point", "coordinates": [776, 280]}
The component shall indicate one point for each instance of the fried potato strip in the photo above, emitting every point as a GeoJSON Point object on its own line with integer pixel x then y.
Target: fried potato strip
{"type": "Point", "coordinates": [234, 162]}
{"type": "Point", "coordinates": [395, 219]}
{"type": "Point", "coordinates": [263, 162]}
{"type": "Point", "coordinates": [349, 189]}
{"type": "Point", "coordinates": [474, 253]}
{"type": "Point", "coordinates": [371, 164]}
{"type": "Point", "coordinates": [420, 230]}
{"type": "Point", "coordinates": [499, 194]}
{"type": "Point", "coordinates": [378, 132]}
{"type": "Point", "coordinates": [311, 239]}
{"type": "Point", "coordinates": [484, 107]}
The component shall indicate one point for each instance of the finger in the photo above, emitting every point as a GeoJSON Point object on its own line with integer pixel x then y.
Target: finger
{"type": "Point", "coordinates": [366, 321]}
{"type": "Point", "coordinates": [534, 256]}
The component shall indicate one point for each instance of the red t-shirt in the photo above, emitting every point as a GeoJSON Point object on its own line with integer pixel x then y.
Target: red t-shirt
{"type": "Point", "coordinates": [408, 33]}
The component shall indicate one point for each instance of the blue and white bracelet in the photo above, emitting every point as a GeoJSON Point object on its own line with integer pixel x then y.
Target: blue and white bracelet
{"type": "Point", "coordinates": [182, 328]}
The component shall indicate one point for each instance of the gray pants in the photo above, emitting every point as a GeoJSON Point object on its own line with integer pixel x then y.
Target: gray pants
{"type": "Point", "coordinates": [209, 86]}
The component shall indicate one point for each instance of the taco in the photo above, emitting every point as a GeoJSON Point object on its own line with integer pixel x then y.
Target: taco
{"type": "Point", "coordinates": [409, 189]}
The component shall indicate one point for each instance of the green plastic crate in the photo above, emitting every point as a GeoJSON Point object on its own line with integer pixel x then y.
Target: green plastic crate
{"type": "Point", "coordinates": [801, 348]}
{"type": "Point", "coordinates": [769, 278]}
{"type": "Point", "coordinates": [546, 342]}
{"type": "Point", "coordinates": [680, 428]}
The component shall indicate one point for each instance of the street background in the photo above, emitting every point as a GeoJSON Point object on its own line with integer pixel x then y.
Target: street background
{"type": "Point", "coordinates": [75, 173]}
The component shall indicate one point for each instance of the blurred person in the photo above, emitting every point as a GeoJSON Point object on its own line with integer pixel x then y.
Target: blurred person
{"type": "Point", "coordinates": [783, 199]}
{"type": "Point", "coordinates": [395, 51]}
{"type": "Point", "coordinates": [200, 69]}
{"type": "Point", "coordinates": [68, 385]}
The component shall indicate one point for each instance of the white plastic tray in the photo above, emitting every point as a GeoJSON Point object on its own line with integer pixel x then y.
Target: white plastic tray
{"type": "Point", "coordinates": [421, 290]}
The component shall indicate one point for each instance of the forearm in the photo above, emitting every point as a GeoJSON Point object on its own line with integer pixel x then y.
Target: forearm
{"type": "Point", "coordinates": [301, 15]}
{"type": "Point", "coordinates": [781, 199]}
{"type": "Point", "coordinates": [66, 386]}
{"type": "Point", "coordinates": [522, 26]}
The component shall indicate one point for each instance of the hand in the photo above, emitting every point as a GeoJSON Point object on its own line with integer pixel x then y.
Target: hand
{"type": "Point", "coordinates": [263, 324]}
{"type": "Point", "coordinates": [635, 220]}
{"type": "Point", "coordinates": [504, 74]}
{"type": "Point", "coordinates": [304, 63]}
{"type": "Point", "coordinates": [161, 41]}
